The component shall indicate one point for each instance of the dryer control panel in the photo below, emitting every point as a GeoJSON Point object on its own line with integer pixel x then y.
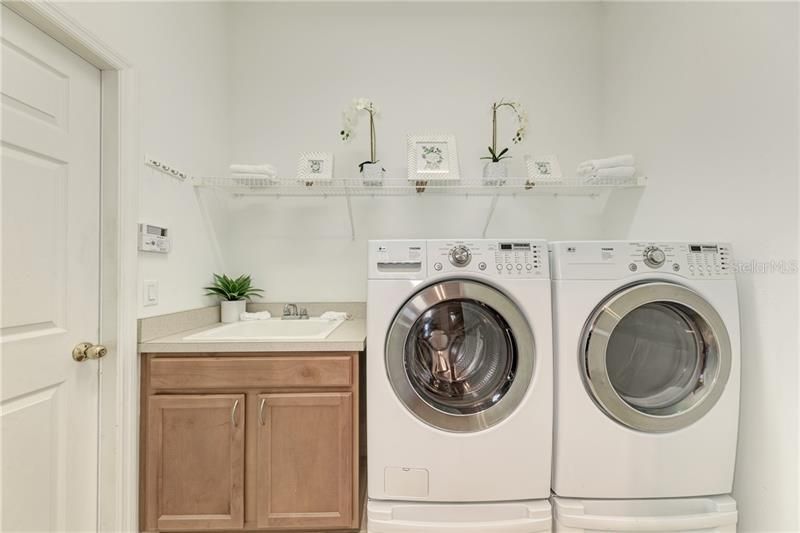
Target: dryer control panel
{"type": "Point", "coordinates": [505, 258]}
{"type": "Point", "coordinates": [618, 259]}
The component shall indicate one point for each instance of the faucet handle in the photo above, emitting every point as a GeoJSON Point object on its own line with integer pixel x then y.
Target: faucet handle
{"type": "Point", "coordinates": [304, 312]}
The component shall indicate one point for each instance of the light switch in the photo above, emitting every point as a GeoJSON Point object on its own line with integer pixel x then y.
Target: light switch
{"type": "Point", "coordinates": [150, 292]}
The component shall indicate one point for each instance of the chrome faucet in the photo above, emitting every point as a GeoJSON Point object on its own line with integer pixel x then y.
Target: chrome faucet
{"type": "Point", "coordinates": [292, 312]}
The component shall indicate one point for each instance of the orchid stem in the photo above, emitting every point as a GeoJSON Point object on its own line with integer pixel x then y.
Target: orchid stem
{"type": "Point", "coordinates": [494, 129]}
{"type": "Point", "coordinates": [372, 143]}
{"type": "Point", "coordinates": [495, 107]}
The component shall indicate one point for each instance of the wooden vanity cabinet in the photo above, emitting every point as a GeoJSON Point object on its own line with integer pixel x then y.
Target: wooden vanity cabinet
{"type": "Point", "coordinates": [304, 460]}
{"type": "Point", "coordinates": [195, 466]}
{"type": "Point", "coordinates": [263, 441]}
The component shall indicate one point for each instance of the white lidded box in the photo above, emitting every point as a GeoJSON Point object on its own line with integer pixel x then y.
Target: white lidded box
{"type": "Point", "coordinates": [713, 514]}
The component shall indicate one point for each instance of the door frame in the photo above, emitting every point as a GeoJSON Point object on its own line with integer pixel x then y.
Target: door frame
{"type": "Point", "coordinates": [118, 414]}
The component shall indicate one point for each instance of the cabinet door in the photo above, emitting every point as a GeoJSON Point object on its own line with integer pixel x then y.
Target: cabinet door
{"type": "Point", "coordinates": [195, 462]}
{"type": "Point", "coordinates": [305, 460]}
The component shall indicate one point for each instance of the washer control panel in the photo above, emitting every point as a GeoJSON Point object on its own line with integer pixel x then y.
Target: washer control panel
{"type": "Point", "coordinates": [617, 259]}
{"type": "Point", "coordinates": [506, 258]}
{"type": "Point", "coordinates": [460, 255]}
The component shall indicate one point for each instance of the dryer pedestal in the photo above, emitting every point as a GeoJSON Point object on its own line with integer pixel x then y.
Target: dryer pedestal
{"type": "Point", "coordinates": [713, 514]}
{"type": "Point", "coordinates": [502, 517]}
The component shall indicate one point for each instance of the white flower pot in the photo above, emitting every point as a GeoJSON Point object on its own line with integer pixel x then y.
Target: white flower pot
{"type": "Point", "coordinates": [372, 174]}
{"type": "Point", "coordinates": [231, 311]}
{"type": "Point", "coordinates": [495, 172]}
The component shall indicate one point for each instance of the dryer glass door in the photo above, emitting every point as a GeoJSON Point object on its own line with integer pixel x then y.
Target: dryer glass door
{"type": "Point", "coordinates": [656, 356]}
{"type": "Point", "coordinates": [460, 355]}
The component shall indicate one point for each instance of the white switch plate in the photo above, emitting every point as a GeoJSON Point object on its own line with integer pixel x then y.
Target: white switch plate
{"type": "Point", "coordinates": [150, 292]}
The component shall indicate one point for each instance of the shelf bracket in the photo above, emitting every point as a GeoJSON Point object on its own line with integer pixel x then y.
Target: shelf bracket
{"type": "Point", "coordinates": [492, 207]}
{"type": "Point", "coordinates": [210, 229]}
{"type": "Point", "coordinates": [350, 217]}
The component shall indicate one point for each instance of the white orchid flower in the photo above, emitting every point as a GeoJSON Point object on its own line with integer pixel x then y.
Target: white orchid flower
{"type": "Point", "coordinates": [496, 154]}
{"type": "Point", "coordinates": [350, 120]}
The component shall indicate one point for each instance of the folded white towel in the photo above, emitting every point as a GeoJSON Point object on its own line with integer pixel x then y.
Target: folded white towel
{"type": "Point", "coordinates": [265, 168]}
{"type": "Point", "coordinates": [625, 160]}
{"type": "Point", "coordinates": [261, 315]}
{"type": "Point", "coordinates": [615, 172]}
{"type": "Point", "coordinates": [335, 315]}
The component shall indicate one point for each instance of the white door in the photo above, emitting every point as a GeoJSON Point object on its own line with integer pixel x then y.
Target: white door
{"type": "Point", "coordinates": [50, 201]}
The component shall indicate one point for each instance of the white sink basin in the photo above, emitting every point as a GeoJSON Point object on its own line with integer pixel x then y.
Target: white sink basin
{"type": "Point", "coordinates": [273, 329]}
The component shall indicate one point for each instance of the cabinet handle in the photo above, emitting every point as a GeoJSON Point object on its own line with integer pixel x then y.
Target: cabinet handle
{"type": "Point", "coordinates": [233, 413]}
{"type": "Point", "coordinates": [261, 411]}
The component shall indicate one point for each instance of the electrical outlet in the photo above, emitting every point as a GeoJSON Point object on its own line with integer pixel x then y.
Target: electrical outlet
{"type": "Point", "coordinates": [150, 292]}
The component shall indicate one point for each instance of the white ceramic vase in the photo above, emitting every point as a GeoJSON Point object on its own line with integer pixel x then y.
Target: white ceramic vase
{"type": "Point", "coordinates": [230, 311]}
{"type": "Point", "coordinates": [372, 173]}
{"type": "Point", "coordinates": [495, 172]}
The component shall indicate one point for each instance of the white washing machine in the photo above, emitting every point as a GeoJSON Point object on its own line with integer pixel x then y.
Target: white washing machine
{"type": "Point", "coordinates": [646, 369]}
{"type": "Point", "coordinates": [459, 386]}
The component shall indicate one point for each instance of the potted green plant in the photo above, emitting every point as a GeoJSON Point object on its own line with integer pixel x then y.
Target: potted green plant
{"type": "Point", "coordinates": [234, 293]}
{"type": "Point", "coordinates": [496, 168]}
{"type": "Point", "coordinates": [371, 172]}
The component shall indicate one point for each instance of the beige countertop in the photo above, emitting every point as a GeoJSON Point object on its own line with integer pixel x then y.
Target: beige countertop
{"type": "Point", "coordinates": [349, 337]}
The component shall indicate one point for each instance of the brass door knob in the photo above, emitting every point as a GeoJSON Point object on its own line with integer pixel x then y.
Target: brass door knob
{"type": "Point", "coordinates": [87, 350]}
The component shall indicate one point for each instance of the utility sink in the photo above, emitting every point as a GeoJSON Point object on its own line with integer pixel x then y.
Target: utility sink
{"type": "Point", "coordinates": [273, 329]}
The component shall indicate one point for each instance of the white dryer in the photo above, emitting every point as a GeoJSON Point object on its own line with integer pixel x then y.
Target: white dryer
{"type": "Point", "coordinates": [459, 386]}
{"type": "Point", "coordinates": [647, 369]}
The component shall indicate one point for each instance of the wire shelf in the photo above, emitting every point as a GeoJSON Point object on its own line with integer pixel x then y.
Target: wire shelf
{"type": "Point", "coordinates": [252, 185]}
{"type": "Point", "coordinates": [241, 186]}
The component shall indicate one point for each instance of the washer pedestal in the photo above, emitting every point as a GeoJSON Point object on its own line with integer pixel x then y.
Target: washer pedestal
{"type": "Point", "coordinates": [503, 517]}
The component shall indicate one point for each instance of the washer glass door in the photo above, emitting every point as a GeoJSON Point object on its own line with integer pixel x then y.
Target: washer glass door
{"type": "Point", "coordinates": [460, 355]}
{"type": "Point", "coordinates": [656, 356]}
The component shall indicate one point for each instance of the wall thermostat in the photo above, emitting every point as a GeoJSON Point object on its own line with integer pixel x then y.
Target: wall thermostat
{"type": "Point", "coordinates": [153, 239]}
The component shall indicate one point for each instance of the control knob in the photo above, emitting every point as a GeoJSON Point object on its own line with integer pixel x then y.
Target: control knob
{"type": "Point", "coordinates": [654, 256]}
{"type": "Point", "coordinates": [460, 256]}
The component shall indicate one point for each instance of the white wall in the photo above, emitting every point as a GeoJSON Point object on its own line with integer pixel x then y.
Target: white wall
{"type": "Point", "coordinates": [431, 68]}
{"type": "Point", "coordinates": [706, 96]}
{"type": "Point", "coordinates": [179, 51]}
